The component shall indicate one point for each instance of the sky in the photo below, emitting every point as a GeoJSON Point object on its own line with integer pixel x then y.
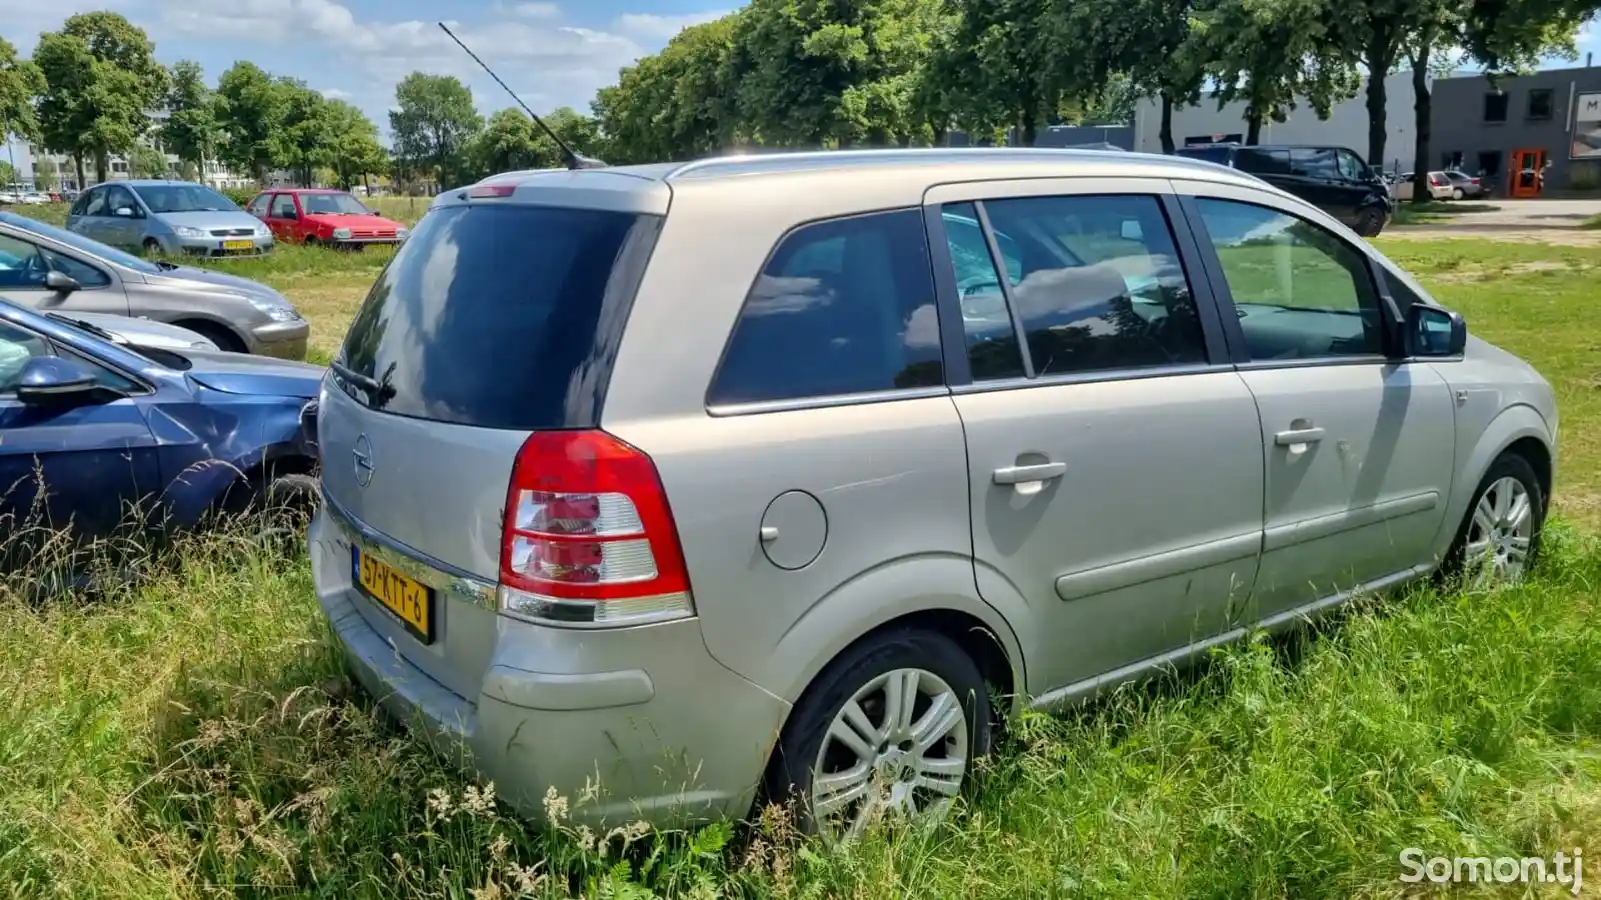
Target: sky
{"type": "Point", "coordinates": [551, 52]}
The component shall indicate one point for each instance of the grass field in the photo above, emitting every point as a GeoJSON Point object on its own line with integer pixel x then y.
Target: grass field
{"type": "Point", "coordinates": [194, 737]}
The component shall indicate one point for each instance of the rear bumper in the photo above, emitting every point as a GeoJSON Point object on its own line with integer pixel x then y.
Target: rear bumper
{"type": "Point", "coordinates": [667, 734]}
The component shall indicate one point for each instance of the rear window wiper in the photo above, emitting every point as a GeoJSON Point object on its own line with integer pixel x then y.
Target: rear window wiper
{"type": "Point", "coordinates": [377, 392]}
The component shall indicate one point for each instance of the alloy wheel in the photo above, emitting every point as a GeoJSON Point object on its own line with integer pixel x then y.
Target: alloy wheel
{"type": "Point", "coordinates": [897, 748]}
{"type": "Point", "coordinates": [1500, 534]}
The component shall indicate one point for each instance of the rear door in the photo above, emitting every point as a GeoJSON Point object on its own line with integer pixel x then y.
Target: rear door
{"type": "Point", "coordinates": [1115, 465]}
{"type": "Point", "coordinates": [493, 321]}
{"type": "Point", "coordinates": [1358, 441]}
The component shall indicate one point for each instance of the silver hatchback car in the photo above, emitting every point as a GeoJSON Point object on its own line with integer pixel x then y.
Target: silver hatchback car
{"type": "Point", "coordinates": [758, 478]}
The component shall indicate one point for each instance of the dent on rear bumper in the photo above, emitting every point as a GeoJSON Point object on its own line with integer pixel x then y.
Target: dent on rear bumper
{"type": "Point", "coordinates": [666, 732]}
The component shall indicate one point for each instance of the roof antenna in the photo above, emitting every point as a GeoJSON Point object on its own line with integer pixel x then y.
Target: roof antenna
{"type": "Point", "coordinates": [574, 159]}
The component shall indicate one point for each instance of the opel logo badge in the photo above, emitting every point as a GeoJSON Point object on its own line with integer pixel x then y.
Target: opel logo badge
{"type": "Point", "coordinates": [362, 453]}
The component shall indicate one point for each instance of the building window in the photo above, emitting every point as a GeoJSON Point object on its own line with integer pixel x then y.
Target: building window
{"type": "Point", "coordinates": [119, 166]}
{"type": "Point", "coordinates": [1539, 104]}
{"type": "Point", "coordinates": [1490, 163]}
{"type": "Point", "coordinates": [1452, 160]}
{"type": "Point", "coordinates": [1495, 104]}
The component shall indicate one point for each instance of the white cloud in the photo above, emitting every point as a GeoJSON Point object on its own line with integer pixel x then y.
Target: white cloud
{"type": "Point", "coordinates": [335, 94]}
{"type": "Point", "coordinates": [536, 10]}
{"type": "Point", "coordinates": [651, 27]}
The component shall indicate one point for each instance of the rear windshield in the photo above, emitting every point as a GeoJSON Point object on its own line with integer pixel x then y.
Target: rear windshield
{"type": "Point", "coordinates": [499, 316]}
{"type": "Point", "coordinates": [1218, 155]}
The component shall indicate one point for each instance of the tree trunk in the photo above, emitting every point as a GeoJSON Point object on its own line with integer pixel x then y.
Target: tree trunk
{"type": "Point", "coordinates": [1028, 125]}
{"type": "Point", "coordinates": [102, 162]}
{"type": "Point", "coordinates": [77, 160]}
{"type": "Point", "coordinates": [1421, 106]}
{"type": "Point", "coordinates": [1380, 56]}
{"type": "Point", "coordinates": [1253, 126]}
{"type": "Point", "coordinates": [1165, 132]}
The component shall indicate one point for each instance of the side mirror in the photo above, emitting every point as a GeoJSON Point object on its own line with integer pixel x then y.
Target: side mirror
{"type": "Point", "coordinates": [123, 212]}
{"type": "Point", "coordinates": [1434, 332]}
{"type": "Point", "coordinates": [61, 282]}
{"type": "Point", "coordinates": [55, 381]}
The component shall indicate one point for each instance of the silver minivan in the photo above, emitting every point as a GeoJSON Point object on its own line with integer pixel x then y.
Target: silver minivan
{"type": "Point", "coordinates": [672, 489]}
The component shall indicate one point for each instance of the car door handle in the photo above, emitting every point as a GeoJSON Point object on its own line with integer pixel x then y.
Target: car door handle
{"type": "Point", "coordinates": [1027, 474]}
{"type": "Point", "coordinates": [1298, 436]}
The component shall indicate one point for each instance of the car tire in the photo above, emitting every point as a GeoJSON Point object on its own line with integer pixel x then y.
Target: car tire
{"type": "Point", "coordinates": [311, 241]}
{"type": "Point", "coordinates": [1499, 538]}
{"type": "Point", "coordinates": [152, 247]}
{"type": "Point", "coordinates": [1369, 222]}
{"type": "Point", "coordinates": [894, 760]}
{"type": "Point", "coordinates": [1456, 194]}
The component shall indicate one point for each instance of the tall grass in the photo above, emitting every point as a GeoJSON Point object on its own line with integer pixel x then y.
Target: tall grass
{"type": "Point", "coordinates": [193, 735]}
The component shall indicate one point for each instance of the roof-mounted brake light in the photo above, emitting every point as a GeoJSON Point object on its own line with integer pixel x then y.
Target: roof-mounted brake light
{"type": "Point", "coordinates": [492, 190]}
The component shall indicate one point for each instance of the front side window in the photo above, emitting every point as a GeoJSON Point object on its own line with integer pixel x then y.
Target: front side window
{"type": "Point", "coordinates": [119, 198]}
{"type": "Point", "coordinates": [844, 306]}
{"type": "Point", "coordinates": [21, 264]}
{"type": "Point", "coordinates": [283, 206]}
{"type": "Point", "coordinates": [16, 348]}
{"type": "Point", "coordinates": [1299, 291]}
{"type": "Point", "coordinates": [86, 275]}
{"type": "Point", "coordinates": [94, 204]}
{"type": "Point", "coordinates": [258, 206]}
{"type": "Point", "coordinates": [1352, 168]}
{"type": "Point", "coordinates": [1099, 287]}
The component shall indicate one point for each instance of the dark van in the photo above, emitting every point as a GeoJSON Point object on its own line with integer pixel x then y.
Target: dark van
{"type": "Point", "coordinates": [1334, 179]}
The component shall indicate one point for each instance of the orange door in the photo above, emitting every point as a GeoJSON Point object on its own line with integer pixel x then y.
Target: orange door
{"type": "Point", "coordinates": [1523, 178]}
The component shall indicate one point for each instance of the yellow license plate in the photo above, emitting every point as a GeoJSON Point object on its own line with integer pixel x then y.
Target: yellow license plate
{"type": "Point", "coordinates": [238, 245]}
{"type": "Point", "coordinates": [408, 599]}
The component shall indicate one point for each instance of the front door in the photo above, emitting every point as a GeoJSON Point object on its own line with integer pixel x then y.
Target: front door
{"type": "Point", "coordinates": [85, 468]}
{"type": "Point", "coordinates": [1115, 470]}
{"type": "Point", "coordinates": [1526, 172]}
{"type": "Point", "coordinates": [1357, 441]}
{"type": "Point", "coordinates": [24, 266]}
{"type": "Point", "coordinates": [283, 217]}
{"type": "Point", "coordinates": [123, 223]}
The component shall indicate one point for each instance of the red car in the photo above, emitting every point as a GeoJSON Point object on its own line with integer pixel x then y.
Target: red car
{"type": "Point", "coordinates": [324, 216]}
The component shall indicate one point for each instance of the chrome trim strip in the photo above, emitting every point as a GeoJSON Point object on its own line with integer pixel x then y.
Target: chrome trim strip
{"type": "Point", "coordinates": [1280, 536]}
{"type": "Point", "coordinates": [448, 581]}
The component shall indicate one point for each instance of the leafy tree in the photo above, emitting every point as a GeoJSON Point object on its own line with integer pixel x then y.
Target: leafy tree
{"type": "Point", "coordinates": [995, 65]}
{"type": "Point", "coordinates": [304, 138]}
{"type": "Point", "coordinates": [147, 162]}
{"type": "Point", "coordinates": [1270, 54]}
{"type": "Point", "coordinates": [8, 174]}
{"type": "Point", "coordinates": [434, 123]}
{"type": "Point", "coordinates": [249, 110]}
{"type": "Point", "coordinates": [354, 148]}
{"type": "Point", "coordinates": [1154, 46]}
{"type": "Point", "coordinates": [819, 72]}
{"type": "Point", "coordinates": [676, 104]}
{"type": "Point", "coordinates": [507, 144]}
{"type": "Point", "coordinates": [20, 83]}
{"type": "Point", "coordinates": [191, 131]}
{"type": "Point", "coordinates": [101, 80]}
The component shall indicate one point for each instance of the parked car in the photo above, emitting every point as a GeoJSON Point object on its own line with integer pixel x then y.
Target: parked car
{"type": "Point", "coordinates": [32, 198]}
{"type": "Point", "coordinates": [95, 430]}
{"type": "Point", "coordinates": [175, 218]}
{"type": "Point", "coordinates": [320, 216]}
{"type": "Point", "coordinates": [51, 268]}
{"type": "Point", "coordinates": [1439, 186]}
{"type": "Point", "coordinates": [1463, 185]}
{"type": "Point", "coordinates": [1334, 179]}
{"type": "Point", "coordinates": [138, 332]}
{"type": "Point", "coordinates": [794, 554]}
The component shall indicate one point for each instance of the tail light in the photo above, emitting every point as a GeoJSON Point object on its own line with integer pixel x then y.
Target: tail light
{"type": "Point", "coordinates": [588, 538]}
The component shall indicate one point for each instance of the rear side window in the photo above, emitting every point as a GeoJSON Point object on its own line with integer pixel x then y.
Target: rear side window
{"type": "Point", "coordinates": [842, 307]}
{"type": "Point", "coordinates": [500, 316]}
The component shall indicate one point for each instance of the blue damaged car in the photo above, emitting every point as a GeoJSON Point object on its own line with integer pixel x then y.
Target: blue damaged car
{"type": "Point", "coordinates": [95, 434]}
